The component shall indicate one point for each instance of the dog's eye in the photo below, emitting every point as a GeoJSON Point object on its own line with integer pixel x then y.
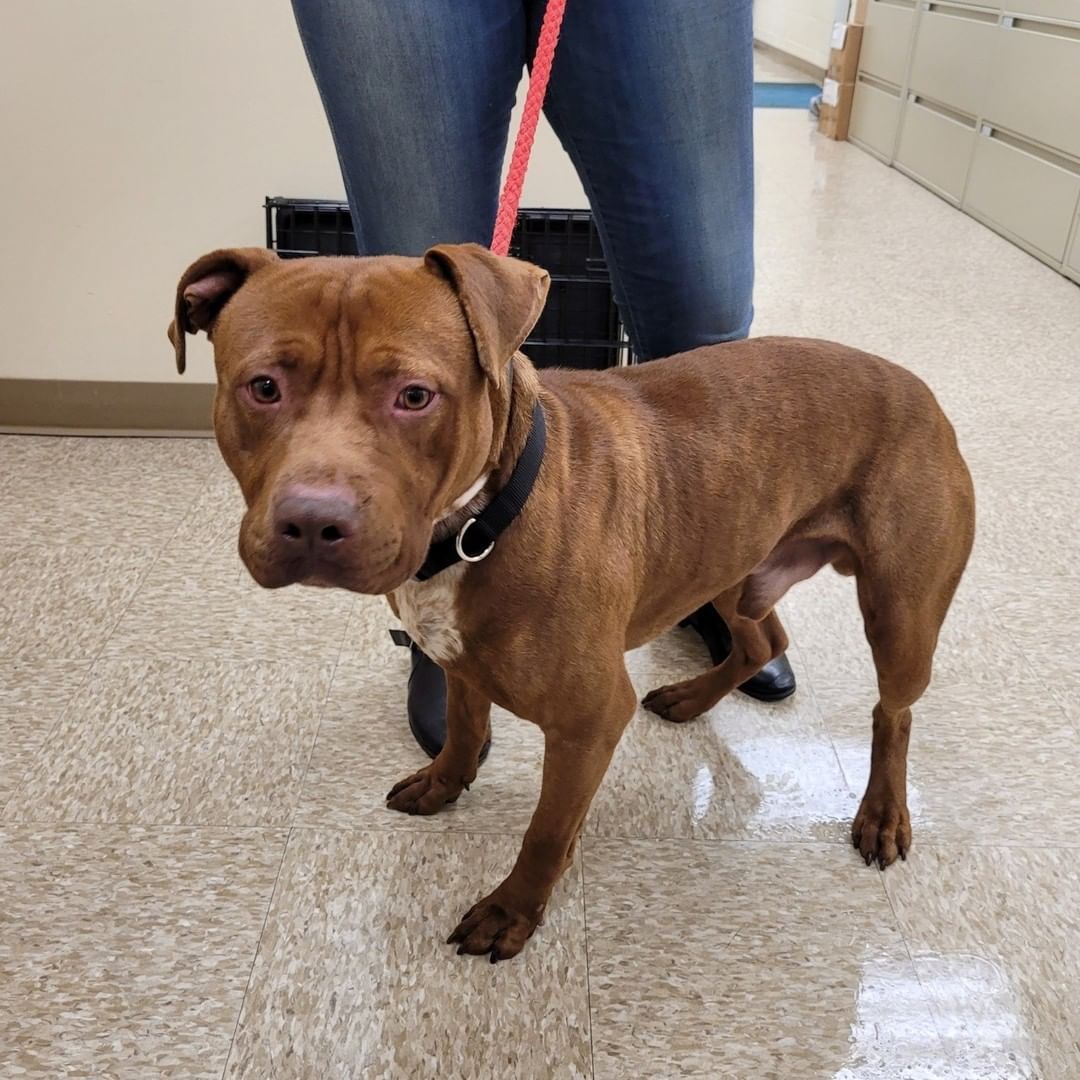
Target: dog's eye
{"type": "Point", "coordinates": [414, 398]}
{"type": "Point", "coordinates": [264, 390]}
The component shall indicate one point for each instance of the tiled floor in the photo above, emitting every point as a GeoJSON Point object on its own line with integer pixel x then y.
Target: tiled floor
{"type": "Point", "coordinates": [198, 877]}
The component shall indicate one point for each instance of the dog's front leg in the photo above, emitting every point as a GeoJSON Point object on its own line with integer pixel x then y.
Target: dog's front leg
{"type": "Point", "coordinates": [577, 750]}
{"type": "Point", "coordinates": [468, 724]}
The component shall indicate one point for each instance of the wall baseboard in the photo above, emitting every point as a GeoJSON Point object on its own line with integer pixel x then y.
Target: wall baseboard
{"type": "Point", "coordinates": [71, 407]}
{"type": "Point", "coordinates": [798, 62]}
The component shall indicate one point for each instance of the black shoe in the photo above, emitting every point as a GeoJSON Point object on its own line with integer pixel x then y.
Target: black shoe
{"type": "Point", "coordinates": [427, 701]}
{"type": "Point", "coordinates": [774, 682]}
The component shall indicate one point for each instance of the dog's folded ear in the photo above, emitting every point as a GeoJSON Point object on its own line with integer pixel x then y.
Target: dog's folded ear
{"type": "Point", "coordinates": [206, 287]}
{"type": "Point", "coordinates": [501, 297]}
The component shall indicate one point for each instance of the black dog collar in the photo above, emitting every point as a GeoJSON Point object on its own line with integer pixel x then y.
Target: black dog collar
{"type": "Point", "coordinates": [474, 541]}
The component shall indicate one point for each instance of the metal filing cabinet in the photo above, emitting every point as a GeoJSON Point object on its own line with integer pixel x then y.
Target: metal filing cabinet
{"type": "Point", "coordinates": [980, 101]}
{"type": "Point", "coordinates": [950, 63]}
{"type": "Point", "coordinates": [875, 117]}
{"type": "Point", "coordinates": [887, 39]}
{"type": "Point", "coordinates": [883, 63]}
{"type": "Point", "coordinates": [1072, 260]}
{"type": "Point", "coordinates": [1030, 198]}
{"type": "Point", "coordinates": [1062, 11]}
{"type": "Point", "coordinates": [1035, 89]}
{"type": "Point", "coordinates": [935, 147]}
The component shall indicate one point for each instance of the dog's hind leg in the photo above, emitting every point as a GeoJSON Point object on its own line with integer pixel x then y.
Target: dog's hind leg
{"type": "Point", "coordinates": [902, 620]}
{"type": "Point", "coordinates": [754, 642]}
{"type": "Point", "coordinates": [757, 635]}
{"type": "Point", "coordinates": [905, 589]}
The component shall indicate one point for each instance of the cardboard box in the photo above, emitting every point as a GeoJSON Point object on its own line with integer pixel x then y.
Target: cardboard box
{"type": "Point", "coordinates": [844, 57]}
{"type": "Point", "coordinates": [835, 116]}
{"type": "Point", "coordinates": [857, 12]}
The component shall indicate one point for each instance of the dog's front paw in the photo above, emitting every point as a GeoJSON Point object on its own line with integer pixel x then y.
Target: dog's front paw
{"type": "Point", "coordinates": [882, 829]}
{"type": "Point", "coordinates": [494, 926]}
{"type": "Point", "coordinates": [425, 792]}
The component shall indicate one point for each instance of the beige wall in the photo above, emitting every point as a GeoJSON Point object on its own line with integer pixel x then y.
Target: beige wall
{"type": "Point", "coordinates": [799, 27]}
{"type": "Point", "coordinates": [135, 135]}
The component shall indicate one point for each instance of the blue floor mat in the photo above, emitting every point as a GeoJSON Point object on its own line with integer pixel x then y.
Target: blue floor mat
{"type": "Point", "coordinates": [784, 95]}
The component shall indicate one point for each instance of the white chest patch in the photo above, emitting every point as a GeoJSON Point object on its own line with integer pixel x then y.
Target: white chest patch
{"type": "Point", "coordinates": [428, 611]}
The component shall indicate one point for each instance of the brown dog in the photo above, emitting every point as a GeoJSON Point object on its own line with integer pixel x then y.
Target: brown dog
{"type": "Point", "coordinates": [367, 406]}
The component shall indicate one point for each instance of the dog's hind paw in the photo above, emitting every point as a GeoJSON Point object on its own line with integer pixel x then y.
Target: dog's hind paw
{"type": "Point", "coordinates": [425, 792]}
{"type": "Point", "coordinates": [677, 703]}
{"type": "Point", "coordinates": [881, 831]}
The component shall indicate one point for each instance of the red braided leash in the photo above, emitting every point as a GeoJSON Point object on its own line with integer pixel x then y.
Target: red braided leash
{"type": "Point", "coordinates": [530, 117]}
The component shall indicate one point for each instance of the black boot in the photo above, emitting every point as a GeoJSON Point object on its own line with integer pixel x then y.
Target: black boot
{"type": "Point", "coordinates": [427, 701]}
{"type": "Point", "coordinates": [774, 682]}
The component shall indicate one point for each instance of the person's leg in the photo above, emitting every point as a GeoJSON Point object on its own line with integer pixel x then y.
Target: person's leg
{"type": "Point", "coordinates": [654, 104]}
{"type": "Point", "coordinates": [418, 94]}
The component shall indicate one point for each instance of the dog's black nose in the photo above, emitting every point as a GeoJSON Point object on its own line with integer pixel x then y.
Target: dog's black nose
{"type": "Point", "coordinates": [315, 524]}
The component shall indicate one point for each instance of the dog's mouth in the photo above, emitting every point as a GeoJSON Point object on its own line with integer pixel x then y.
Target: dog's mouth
{"type": "Point", "coordinates": [373, 572]}
{"type": "Point", "coordinates": [316, 577]}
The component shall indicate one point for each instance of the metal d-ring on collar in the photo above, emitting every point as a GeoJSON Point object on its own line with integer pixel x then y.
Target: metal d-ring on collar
{"type": "Point", "coordinates": [496, 517]}
{"type": "Point", "coordinates": [459, 541]}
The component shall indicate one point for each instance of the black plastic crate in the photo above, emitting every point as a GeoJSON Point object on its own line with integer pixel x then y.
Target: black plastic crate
{"type": "Point", "coordinates": [296, 228]}
{"type": "Point", "coordinates": [580, 324]}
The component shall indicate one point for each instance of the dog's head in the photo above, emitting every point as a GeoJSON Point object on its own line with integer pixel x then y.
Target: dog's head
{"type": "Point", "coordinates": [357, 399]}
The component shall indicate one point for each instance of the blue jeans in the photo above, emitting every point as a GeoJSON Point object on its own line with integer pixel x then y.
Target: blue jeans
{"type": "Point", "coordinates": [652, 100]}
